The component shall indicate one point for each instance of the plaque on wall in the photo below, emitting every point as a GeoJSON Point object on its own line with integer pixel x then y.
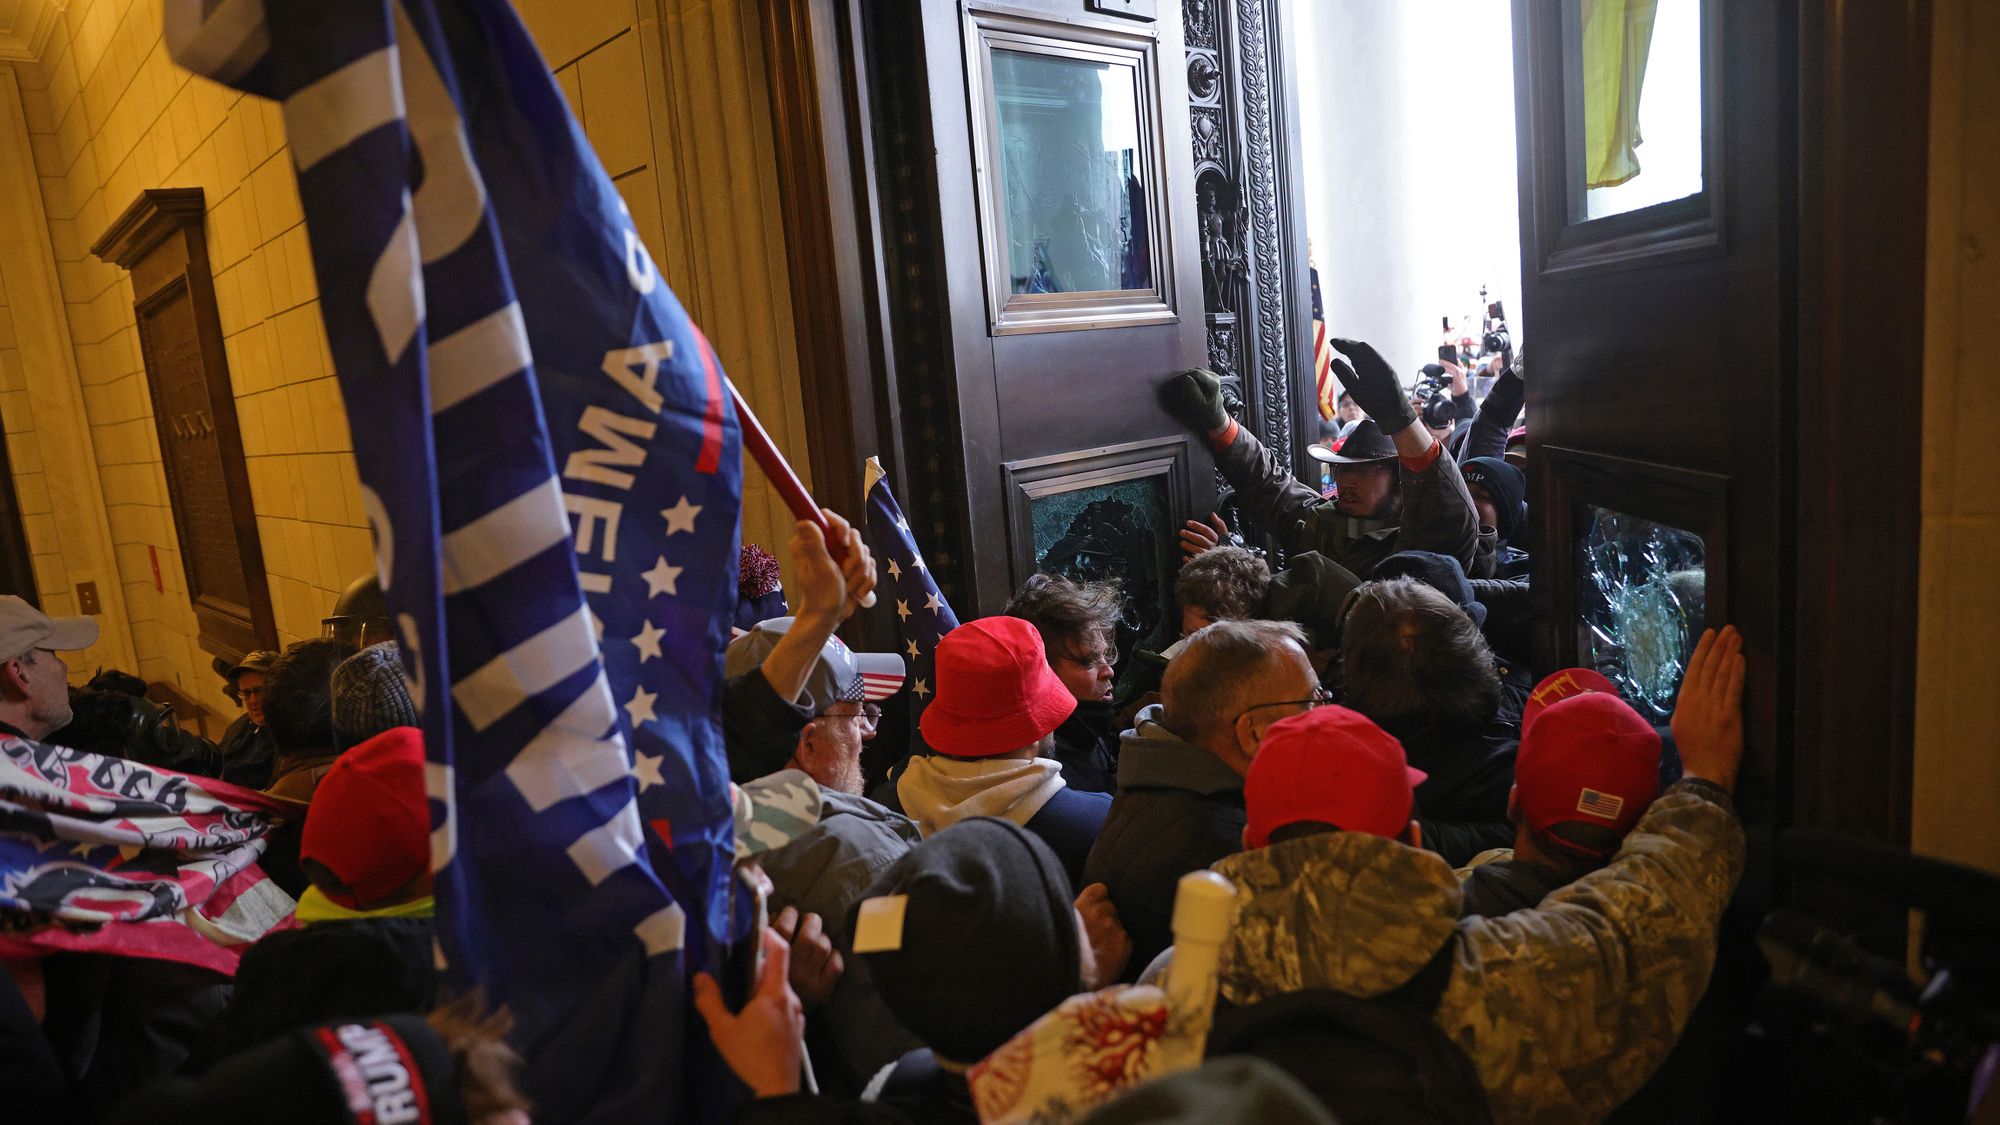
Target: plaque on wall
{"type": "Point", "coordinates": [160, 238]}
{"type": "Point", "coordinates": [1107, 513]}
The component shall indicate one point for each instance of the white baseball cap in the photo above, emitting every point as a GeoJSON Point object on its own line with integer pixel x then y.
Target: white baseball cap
{"type": "Point", "coordinates": [23, 628]}
{"type": "Point", "coordinates": [840, 673]}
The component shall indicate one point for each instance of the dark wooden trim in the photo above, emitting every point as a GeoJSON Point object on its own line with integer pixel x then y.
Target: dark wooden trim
{"type": "Point", "coordinates": [17, 560]}
{"type": "Point", "coordinates": [1567, 244]}
{"type": "Point", "coordinates": [1034, 477]}
{"type": "Point", "coordinates": [836, 297]}
{"type": "Point", "coordinates": [161, 238]}
{"type": "Point", "coordinates": [1863, 212]}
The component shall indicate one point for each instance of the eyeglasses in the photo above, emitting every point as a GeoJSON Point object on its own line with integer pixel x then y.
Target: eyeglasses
{"type": "Point", "coordinates": [870, 716]}
{"type": "Point", "coordinates": [1320, 698]}
{"type": "Point", "coordinates": [1108, 658]}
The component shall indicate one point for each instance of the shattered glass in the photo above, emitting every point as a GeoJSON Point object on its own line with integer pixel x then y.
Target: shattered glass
{"type": "Point", "coordinates": [1071, 173]}
{"type": "Point", "coordinates": [1641, 605]}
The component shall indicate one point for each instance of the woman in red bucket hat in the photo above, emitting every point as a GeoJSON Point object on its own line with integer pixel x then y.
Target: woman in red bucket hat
{"type": "Point", "coordinates": [990, 730]}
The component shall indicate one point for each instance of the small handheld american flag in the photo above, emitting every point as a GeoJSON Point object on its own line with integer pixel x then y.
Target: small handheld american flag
{"type": "Point", "coordinates": [923, 617]}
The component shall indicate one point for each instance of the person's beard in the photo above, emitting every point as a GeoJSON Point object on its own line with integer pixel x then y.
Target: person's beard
{"type": "Point", "coordinates": [847, 776]}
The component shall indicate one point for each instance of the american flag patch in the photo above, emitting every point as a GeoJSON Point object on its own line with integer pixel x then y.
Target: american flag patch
{"type": "Point", "coordinates": [876, 686]}
{"type": "Point", "coordinates": [1593, 803]}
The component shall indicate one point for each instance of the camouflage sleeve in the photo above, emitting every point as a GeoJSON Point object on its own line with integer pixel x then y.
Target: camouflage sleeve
{"type": "Point", "coordinates": [1267, 492]}
{"type": "Point", "coordinates": [1567, 1009]}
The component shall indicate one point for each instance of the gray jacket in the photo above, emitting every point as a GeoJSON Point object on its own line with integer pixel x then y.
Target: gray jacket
{"type": "Point", "coordinates": [1437, 510]}
{"type": "Point", "coordinates": [1565, 1009]}
{"type": "Point", "coordinates": [825, 872]}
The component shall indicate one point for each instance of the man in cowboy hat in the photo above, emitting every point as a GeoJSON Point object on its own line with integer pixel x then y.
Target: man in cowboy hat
{"type": "Point", "coordinates": [1398, 489]}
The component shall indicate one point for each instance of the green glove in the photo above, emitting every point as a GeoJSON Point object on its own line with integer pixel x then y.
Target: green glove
{"type": "Point", "coordinates": [1373, 384]}
{"type": "Point", "coordinates": [1194, 398]}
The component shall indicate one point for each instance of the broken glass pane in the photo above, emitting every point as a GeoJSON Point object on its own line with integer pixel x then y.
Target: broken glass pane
{"type": "Point", "coordinates": [1071, 174]}
{"type": "Point", "coordinates": [1641, 605]}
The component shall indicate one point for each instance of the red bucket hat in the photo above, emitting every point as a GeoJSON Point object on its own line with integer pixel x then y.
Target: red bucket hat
{"type": "Point", "coordinates": [1330, 765]}
{"type": "Point", "coordinates": [1586, 757]}
{"type": "Point", "coordinates": [370, 819]}
{"type": "Point", "coordinates": [995, 690]}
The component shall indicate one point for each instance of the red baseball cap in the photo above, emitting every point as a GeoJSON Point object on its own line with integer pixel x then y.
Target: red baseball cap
{"type": "Point", "coordinates": [370, 819]}
{"type": "Point", "coordinates": [1330, 765]}
{"type": "Point", "coordinates": [995, 690]}
{"type": "Point", "coordinates": [1586, 757]}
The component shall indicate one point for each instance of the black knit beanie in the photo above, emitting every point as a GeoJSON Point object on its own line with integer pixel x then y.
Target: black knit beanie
{"type": "Point", "coordinates": [395, 1067]}
{"type": "Point", "coordinates": [1506, 485]}
{"type": "Point", "coordinates": [988, 942]}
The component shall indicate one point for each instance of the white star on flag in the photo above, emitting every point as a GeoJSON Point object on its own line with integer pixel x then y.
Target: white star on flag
{"type": "Point", "coordinates": [641, 706]}
{"type": "Point", "coordinates": [902, 523]}
{"type": "Point", "coordinates": [681, 516]}
{"type": "Point", "coordinates": [931, 601]}
{"type": "Point", "coordinates": [646, 770]}
{"type": "Point", "coordinates": [902, 609]}
{"type": "Point", "coordinates": [918, 562]}
{"type": "Point", "coordinates": [914, 651]}
{"type": "Point", "coordinates": [920, 689]}
{"type": "Point", "coordinates": [661, 579]}
{"type": "Point", "coordinates": [648, 642]}
{"type": "Point", "coordinates": [894, 570]}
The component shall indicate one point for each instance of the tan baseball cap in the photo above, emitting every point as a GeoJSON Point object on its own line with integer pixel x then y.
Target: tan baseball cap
{"type": "Point", "coordinates": [24, 628]}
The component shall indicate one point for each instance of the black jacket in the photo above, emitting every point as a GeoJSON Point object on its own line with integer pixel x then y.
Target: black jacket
{"type": "Point", "coordinates": [344, 969]}
{"type": "Point", "coordinates": [1488, 436]}
{"type": "Point", "coordinates": [1087, 747]}
{"type": "Point", "coordinates": [1178, 810]}
{"type": "Point", "coordinates": [245, 756]}
{"type": "Point", "coordinates": [1503, 886]}
{"type": "Point", "coordinates": [1462, 805]}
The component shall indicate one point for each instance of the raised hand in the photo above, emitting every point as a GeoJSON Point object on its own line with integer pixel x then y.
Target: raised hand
{"type": "Point", "coordinates": [1194, 398]}
{"type": "Point", "coordinates": [764, 1044]}
{"type": "Point", "coordinates": [816, 964]}
{"type": "Point", "coordinates": [1708, 717]}
{"type": "Point", "coordinates": [1197, 536]}
{"type": "Point", "coordinates": [1373, 384]}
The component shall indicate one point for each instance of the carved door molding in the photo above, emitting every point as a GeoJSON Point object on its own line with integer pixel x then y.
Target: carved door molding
{"type": "Point", "coordinates": [1251, 217]}
{"type": "Point", "coordinates": [161, 239]}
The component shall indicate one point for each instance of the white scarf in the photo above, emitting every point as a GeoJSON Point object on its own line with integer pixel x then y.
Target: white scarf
{"type": "Point", "coordinates": [938, 792]}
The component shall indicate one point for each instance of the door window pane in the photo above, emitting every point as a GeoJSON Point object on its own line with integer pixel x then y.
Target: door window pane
{"type": "Point", "coordinates": [1641, 96]}
{"type": "Point", "coordinates": [1641, 588]}
{"type": "Point", "coordinates": [1072, 175]}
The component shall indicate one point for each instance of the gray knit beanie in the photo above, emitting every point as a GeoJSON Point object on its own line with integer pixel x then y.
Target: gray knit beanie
{"type": "Point", "coordinates": [370, 696]}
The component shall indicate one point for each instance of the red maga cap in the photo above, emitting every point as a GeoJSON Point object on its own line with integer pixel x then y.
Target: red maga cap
{"type": "Point", "coordinates": [1333, 766]}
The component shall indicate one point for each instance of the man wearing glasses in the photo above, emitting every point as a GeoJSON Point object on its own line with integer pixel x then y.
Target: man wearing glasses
{"type": "Point", "coordinates": [1179, 806]}
{"type": "Point", "coordinates": [34, 681]}
{"type": "Point", "coordinates": [797, 699]}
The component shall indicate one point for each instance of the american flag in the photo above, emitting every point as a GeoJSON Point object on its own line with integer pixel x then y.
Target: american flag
{"type": "Point", "coordinates": [1598, 804]}
{"type": "Point", "coordinates": [553, 474]}
{"type": "Point", "coordinates": [1324, 382]}
{"type": "Point", "coordinates": [923, 617]}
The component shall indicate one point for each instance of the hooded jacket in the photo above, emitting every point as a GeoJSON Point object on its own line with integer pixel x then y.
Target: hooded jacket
{"type": "Point", "coordinates": [825, 872]}
{"type": "Point", "coordinates": [938, 792]}
{"type": "Point", "coordinates": [1564, 1010]}
{"type": "Point", "coordinates": [1178, 810]}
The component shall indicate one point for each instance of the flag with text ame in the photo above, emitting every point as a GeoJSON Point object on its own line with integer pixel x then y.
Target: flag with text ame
{"type": "Point", "coordinates": [553, 474]}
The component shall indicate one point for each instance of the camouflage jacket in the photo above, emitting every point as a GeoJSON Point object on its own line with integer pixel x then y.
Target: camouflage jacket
{"type": "Point", "coordinates": [1437, 510]}
{"type": "Point", "coordinates": [1565, 1009]}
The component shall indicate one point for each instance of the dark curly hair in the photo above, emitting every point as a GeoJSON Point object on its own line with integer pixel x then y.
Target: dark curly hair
{"type": "Point", "coordinates": [298, 695]}
{"type": "Point", "coordinates": [1072, 617]}
{"type": "Point", "coordinates": [1228, 582]}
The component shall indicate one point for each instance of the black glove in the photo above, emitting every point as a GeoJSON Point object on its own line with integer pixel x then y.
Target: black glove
{"type": "Point", "coordinates": [1373, 385]}
{"type": "Point", "coordinates": [1194, 398]}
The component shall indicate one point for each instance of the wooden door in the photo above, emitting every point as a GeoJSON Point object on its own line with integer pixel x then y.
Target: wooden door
{"type": "Point", "coordinates": [1067, 264]}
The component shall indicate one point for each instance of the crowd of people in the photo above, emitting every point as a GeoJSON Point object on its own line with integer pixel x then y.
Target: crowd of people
{"type": "Point", "coordinates": [1464, 890]}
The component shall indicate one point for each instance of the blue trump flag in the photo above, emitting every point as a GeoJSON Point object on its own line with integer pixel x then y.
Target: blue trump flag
{"type": "Point", "coordinates": [553, 474]}
{"type": "Point", "coordinates": [923, 617]}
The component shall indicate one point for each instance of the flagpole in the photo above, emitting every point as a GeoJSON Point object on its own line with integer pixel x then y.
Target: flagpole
{"type": "Point", "coordinates": [787, 482]}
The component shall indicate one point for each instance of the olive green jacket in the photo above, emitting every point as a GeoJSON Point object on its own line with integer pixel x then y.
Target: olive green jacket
{"type": "Point", "coordinates": [1437, 510]}
{"type": "Point", "coordinates": [1566, 1009]}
